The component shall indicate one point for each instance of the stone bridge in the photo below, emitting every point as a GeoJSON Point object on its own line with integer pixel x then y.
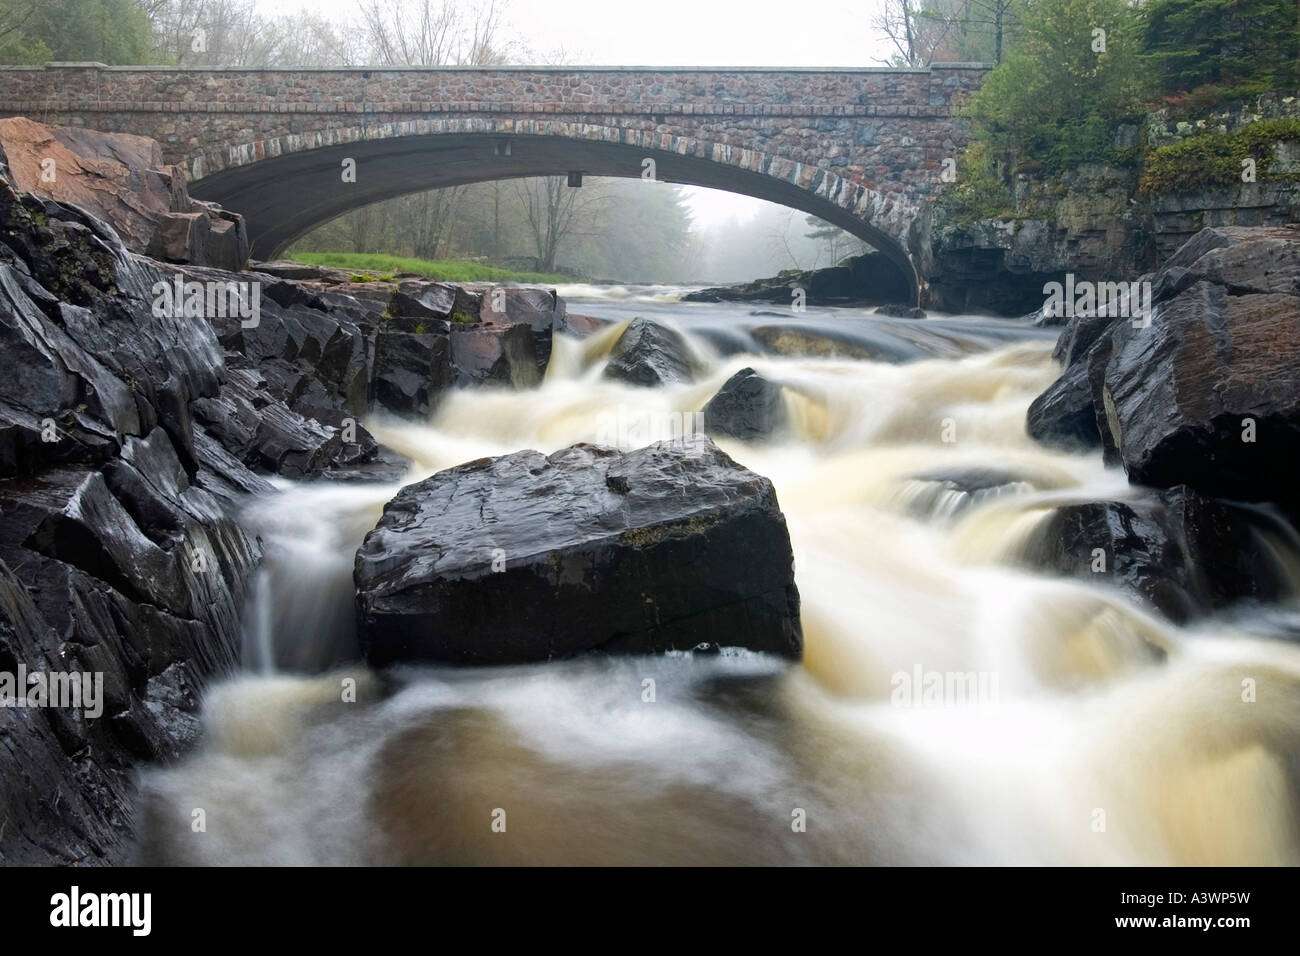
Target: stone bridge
{"type": "Point", "coordinates": [861, 148]}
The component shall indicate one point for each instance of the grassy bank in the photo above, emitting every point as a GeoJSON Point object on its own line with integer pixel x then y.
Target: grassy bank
{"type": "Point", "coordinates": [377, 266]}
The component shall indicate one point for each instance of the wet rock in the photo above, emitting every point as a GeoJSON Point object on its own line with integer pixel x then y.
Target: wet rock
{"type": "Point", "coordinates": [1177, 552]}
{"type": "Point", "coordinates": [1188, 396]}
{"type": "Point", "coordinates": [424, 300]}
{"type": "Point", "coordinates": [287, 269]}
{"type": "Point", "coordinates": [1080, 334]}
{"type": "Point", "coordinates": [540, 309]}
{"type": "Point", "coordinates": [528, 558]}
{"type": "Point", "coordinates": [1208, 394]}
{"type": "Point", "coordinates": [1064, 416]}
{"type": "Point", "coordinates": [650, 354]}
{"type": "Point", "coordinates": [1257, 266]}
{"type": "Point", "coordinates": [267, 435]}
{"type": "Point", "coordinates": [514, 356]}
{"type": "Point", "coordinates": [747, 406]}
{"type": "Point", "coordinates": [571, 323]}
{"type": "Point", "coordinates": [412, 370]}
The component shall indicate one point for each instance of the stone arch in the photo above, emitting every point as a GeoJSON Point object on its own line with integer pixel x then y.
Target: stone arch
{"type": "Point", "coordinates": [289, 184]}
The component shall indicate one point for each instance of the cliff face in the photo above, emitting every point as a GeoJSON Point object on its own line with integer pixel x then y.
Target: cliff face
{"type": "Point", "coordinates": [1096, 223]}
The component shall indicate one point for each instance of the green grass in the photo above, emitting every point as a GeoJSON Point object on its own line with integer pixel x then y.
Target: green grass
{"type": "Point", "coordinates": [371, 267]}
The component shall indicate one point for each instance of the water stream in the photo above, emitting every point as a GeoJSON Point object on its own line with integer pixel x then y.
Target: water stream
{"type": "Point", "coordinates": [1088, 731]}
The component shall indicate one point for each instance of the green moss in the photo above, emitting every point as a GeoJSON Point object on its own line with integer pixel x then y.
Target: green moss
{"type": "Point", "coordinates": [1215, 159]}
{"type": "Point", "coordinates": [461, 317]}
{"type": "Point", "coordinates": [979, 192]}
{"type": "Point", "coordinates": [647, 537]}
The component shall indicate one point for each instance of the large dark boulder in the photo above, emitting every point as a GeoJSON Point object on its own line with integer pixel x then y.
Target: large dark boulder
{"type": "Point", "coordinates": [1206, 391]}
{"type": "Point", "coordinates": [1208, 394]}
{"type": "Point", "coordinates": [747, 406]}
{"type": "Point", "coordinates": [529, 558]}
{"type": "Point", "coordinates": [1176, 552]}
{"type": "Point", "coordinates": [650, 354]}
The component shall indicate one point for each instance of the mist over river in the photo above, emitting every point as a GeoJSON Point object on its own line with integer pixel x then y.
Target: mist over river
{"type": "Point", "coordinates": [1090, 732]}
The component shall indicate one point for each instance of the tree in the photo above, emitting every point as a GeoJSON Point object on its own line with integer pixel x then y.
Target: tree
{"type": "Point", "coordinates": [432, 32]}
{"type": "Point", "coordinates": [1224, 48]}
{"type": "Point", "coordinates": [555, 211]}
{"type": "Point", "coordinates": [914, 35]}
{"type": "Point", "coordinates": [833, 241]}
{"type": "Point", "coordinates": [17, 45]}
{"type": "Point", "coordinates": [1073, 75]}
{"type": "Point", "coordinates": [107, 31]}
{"type": "Point", "coordinates": [980, 28]}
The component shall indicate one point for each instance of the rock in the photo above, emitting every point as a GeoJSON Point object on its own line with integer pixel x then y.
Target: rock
{"type": "Point", "coordinates": [1177, 552]}
{"type": "Point", "coordinates": [1079, 335]}
{"type": "Point", "coordinates": [667, 547]}
{"type": "Point", "coordinates": [513, 356]}
{"type": "Point", "coordinates": [411, 370]}
{"type": "Point", "coordinates": [1188, 397]}
{"type": "Point", "coordinates": [1208, 394]}
{"type": "Point", "coordinates": [747, 406]}
{"type": "Point", "coordinates": [869, 278]}
{"type": "Point", "coordinates": [650, 354]}
{"type": "Point", "coordinates": [540, 309]}
{"type": "Point", "coordinates": [268, 435]}
{"type": "Point", "coordinates": [580, 326]}
{"type": "Point", "coordinates": [901, 311]}
{"type": "Point", "coordinates": [424, 300]}
{"type": "Point", "coordinates": [1257, 266]}
{"type": "Point", "coordinates": [1064, 416]}
{"type": "Point", "coordinates": [121, 179]}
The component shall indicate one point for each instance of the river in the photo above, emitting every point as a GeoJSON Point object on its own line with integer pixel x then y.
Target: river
{"type": "Point", "coordinates": [1093, 733]}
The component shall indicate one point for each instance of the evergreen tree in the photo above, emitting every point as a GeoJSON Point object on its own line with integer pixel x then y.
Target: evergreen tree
{"type": "Point", "coordinates": [1224, 48]}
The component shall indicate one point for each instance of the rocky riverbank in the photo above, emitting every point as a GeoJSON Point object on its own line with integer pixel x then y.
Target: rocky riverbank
{"type": "Point", "coordinates": [147, 401]}
{"type": "Point", "coordinates": [869, 279]}
{"type": "Point", "coordinates": [1200, 398]}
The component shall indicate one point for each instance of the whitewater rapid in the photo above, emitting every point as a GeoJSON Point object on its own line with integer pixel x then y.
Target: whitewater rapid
{"type": "Point", "coordinates": [1093, 733]}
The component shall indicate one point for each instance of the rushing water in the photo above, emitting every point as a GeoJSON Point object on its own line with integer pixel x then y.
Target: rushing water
{"type": "Point", "coordinates": [1095, 733]}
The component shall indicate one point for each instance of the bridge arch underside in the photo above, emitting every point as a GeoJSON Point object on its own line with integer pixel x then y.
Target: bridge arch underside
{"type": "Point", "coordinates": [285, 197]}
